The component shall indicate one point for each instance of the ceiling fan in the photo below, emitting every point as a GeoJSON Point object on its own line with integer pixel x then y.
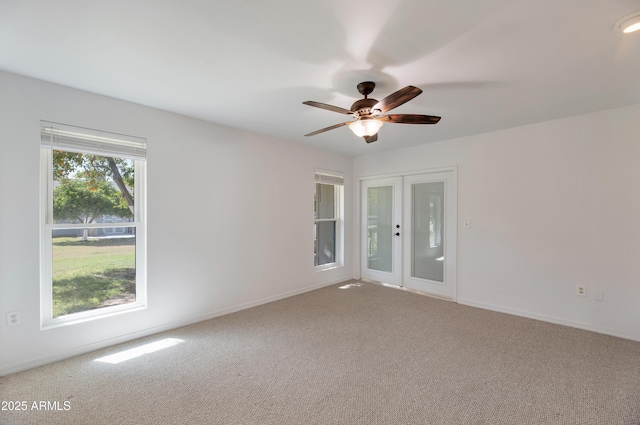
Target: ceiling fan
{"type": "Point", "coordinates": [367, 112]}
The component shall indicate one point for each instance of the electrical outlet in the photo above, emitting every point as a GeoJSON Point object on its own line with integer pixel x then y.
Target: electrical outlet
{"type": "Point", "coordinates": [13, 318]}
{"type": "Point", "coordinates": [581, 290]}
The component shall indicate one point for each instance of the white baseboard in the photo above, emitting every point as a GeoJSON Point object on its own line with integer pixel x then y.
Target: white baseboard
{"type": "Point", "coordinates": [40, 361]}
{"type": "Point", "coordinates": [549, 319]}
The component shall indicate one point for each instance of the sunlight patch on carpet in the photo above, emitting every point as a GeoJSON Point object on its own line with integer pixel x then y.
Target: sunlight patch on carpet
{"type": "Point", "coordinates": [350, 285]}
{"type": "Point", "coordinates": [132, 353]}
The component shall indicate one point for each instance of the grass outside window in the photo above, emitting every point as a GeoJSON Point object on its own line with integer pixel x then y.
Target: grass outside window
{"type": "Point", "coordinates": [95, 273]}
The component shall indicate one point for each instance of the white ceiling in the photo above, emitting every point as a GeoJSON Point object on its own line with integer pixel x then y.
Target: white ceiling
{"type": "Point", "coordinates": [483, 65]}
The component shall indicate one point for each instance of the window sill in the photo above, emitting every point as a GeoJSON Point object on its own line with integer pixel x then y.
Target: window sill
{"type": "Point", "coordinates": [85, 316]}
{"type": "Point", "coordinates": [325, 267]}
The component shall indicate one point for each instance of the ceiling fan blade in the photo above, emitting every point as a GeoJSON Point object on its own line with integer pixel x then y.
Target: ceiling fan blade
{"type": "Point", "coordinates": [409, 119]}
{"type": "Point", "coordinates": [328, 107]}
{"type": "Point", "coordinates": [371, 139]}
{"type": "Point", "coordinates": [328, 128]}
{"type": "Point", "coordinates": [396, 99]}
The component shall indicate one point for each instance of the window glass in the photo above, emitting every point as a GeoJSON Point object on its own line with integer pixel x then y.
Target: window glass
{"type": "Point", "coordinates": [325, 251]}
{"type": "Point", "coordinates": [325, 201]}
{"type": "Point", "coordinates": [93, 273]}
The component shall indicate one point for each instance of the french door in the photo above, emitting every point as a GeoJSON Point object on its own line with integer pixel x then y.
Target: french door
{"type": "Point", "coordinates": [382, 230]}
{"type": "Point", "coordinates": [409, 232]}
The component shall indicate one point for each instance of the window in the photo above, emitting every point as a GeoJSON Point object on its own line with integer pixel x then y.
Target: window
{"type": "Point", "coordinates": [328, 217]}
{"type": "Point", "coordinates": [93, 223]}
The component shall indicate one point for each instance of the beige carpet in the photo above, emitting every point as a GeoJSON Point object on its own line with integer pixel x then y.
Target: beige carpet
{"type": "Point", "coordinates": [365, 354]}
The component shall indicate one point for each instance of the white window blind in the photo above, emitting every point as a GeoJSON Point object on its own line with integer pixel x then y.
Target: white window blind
{"type": "Point", "coordinates": [68, 138]}
{"type": "Point", "coordinates": [329, 179]}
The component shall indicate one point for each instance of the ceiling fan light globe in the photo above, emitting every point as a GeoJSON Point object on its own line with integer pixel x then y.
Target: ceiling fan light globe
{"type": "Point", "coordinates": [628, 23]}
{"type": "Point", "coordinates": [632, 27]}
{"type": "Point", "coordinates": [365, 127]}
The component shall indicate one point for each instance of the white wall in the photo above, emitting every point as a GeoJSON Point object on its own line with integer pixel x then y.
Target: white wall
{"type": "Point", "coordinates": [551, 205]}
{"type": "Point", "coordinates": [230, 218]}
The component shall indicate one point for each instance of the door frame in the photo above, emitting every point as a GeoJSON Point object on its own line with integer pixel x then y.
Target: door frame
{"type": "Point", "coordinates": [358, 218]}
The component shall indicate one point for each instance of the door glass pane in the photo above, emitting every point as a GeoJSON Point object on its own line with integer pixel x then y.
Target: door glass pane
{"type": "Point", "coordinates": [427, 238]}
{"type": "Point", "coordinates": [380, 228]}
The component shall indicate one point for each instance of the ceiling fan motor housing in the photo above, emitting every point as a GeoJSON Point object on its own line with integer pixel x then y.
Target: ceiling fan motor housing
{"type": "Point", "coordinates": [363, 107]}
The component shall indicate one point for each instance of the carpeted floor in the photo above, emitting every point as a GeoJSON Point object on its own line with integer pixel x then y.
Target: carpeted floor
{"type": "Point", "coordinates": [360, 354]}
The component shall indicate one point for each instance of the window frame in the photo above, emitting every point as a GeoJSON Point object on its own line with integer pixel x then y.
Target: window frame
{"type": "Point", "coordinates": [338, 217]}
{"type": "Point", "coordinates": [47, 321]}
